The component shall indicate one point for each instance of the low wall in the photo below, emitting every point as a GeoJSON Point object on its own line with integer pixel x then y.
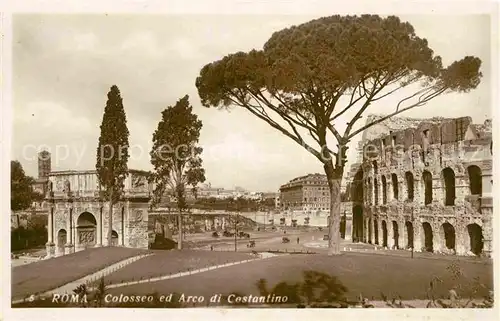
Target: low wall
{"type": "Point", "coordinates": [27, 218]}
{"type": "Point", "coordinates": [319, 218]}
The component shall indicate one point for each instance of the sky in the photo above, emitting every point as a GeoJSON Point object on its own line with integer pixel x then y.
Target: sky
{"type": "Point", "coordinates": [64, 65]}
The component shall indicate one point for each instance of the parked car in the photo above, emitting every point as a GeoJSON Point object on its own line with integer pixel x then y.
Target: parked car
{"type": "Point", "coordinates": [244, 235]}
{"type": "Point", "coordinates": [215, 234]}
{"type": "Point", "coordinates": [326, 237]}
{"type": "Point", "coordinates": [251, 244]}
{"type": "Point", "coordinates": [285, 240]}
{"type": "Point", "coordinates": [227, 234]}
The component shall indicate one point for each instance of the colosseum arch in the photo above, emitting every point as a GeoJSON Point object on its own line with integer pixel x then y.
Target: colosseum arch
{"type": "Point", "coordinates": [370, 230]}
{"type": "Point", "coordinates": [410, 185]}
{"type": "Point", "coordinates": [449, 186]}
{"type": "Point", "coordinates": [448, 235]}
{"type": "Point", "coordinates": [475, 233]}
{"type": "Point", "coordinates": [357, 218]}
{"type": "Point", "coordinates": [384, 190]}
{"type": "Point", "coordinates": [475, 180]}
{"type": "Point", "coordinates": [428, 237]}
{"type": "Point", "coordinates": [357, 189]}
{"type": "Point", "coordinates": [384, 233]}
{"type": "Point", "coordinates": [427, 181]}
{"type": "Point", "coordinates": [375, 230]}
{"type": "Point", "coordinates": [395, 186]}
{"type": "Point", "coordinates": [409, 234]}
{"type": "Point", "coordinates": [375, 190]}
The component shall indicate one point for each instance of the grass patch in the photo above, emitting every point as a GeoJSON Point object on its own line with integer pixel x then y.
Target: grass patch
{"type": "Point", "coordinates": [369, 275]}
{"type": "Point", "coordinates": [48, 274]}
{"type": "Point", "coordinates": [170, 262]}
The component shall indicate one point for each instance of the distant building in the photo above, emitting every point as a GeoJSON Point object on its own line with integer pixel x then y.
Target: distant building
{"type": "Point", "coordinates": [308, 193]}
{"type": "Point", "coordinates": [269, 196]}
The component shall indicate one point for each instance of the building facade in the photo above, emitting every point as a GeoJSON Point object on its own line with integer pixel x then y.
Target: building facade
{"type": "Point", "coordinates": [424, 185]}
{"type": "Point", "coordinates": [306, 193]}
{"type": "Point", "coordinates": [304, 200]}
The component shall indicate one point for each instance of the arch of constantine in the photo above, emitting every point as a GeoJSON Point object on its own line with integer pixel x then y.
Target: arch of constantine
{"type": "Point", "coordinates": [78, 217]}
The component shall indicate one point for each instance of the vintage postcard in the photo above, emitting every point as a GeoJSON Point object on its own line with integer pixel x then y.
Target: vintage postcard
{"type": "Point", "coordinates": [230, 157]}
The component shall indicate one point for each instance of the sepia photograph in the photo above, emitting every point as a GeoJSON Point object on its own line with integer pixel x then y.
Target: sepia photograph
{"type": "Point", "coordinates": [239, 161]}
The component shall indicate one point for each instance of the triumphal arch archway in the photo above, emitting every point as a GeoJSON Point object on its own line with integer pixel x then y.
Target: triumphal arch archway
{"type": "Point", "coordinates": [78, 216]}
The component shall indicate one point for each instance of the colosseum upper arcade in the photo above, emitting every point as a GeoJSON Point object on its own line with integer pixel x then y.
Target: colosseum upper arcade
{"type": "Point", "coordinates": [426, 187]}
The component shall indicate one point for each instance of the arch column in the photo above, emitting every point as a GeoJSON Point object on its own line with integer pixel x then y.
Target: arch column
{"type": "Point", "coordinates": [438, 192]}
{"type": "Point", "coordinates": [487, 207]}
{"type": "Point", "coordinates": [402, 188]}
{"type": "Point", "coordinates": [418, 236]}
{"type": "Point", "coordinates": [461, 240]}
{"type": "Point", "coordinates": [487, 231]}
{"type": "Point", "coordinates": [76, 238]}
{"type": "Point", "coordinates": [401, 233]}
{"type": "Point", "coordinates": [404, 236]}
{"type": "Point", "coordinates": [372, 226]}
{"type": "Point", "coordinates": [366, 232]}
{"type": "Point", "coordinates": [69, 233]}
{"type": "Point", "coordinates": [99, 228]}
{"type": "Point", "coordinates": [390, 193]}
{"type": "Point", "coordinates": [439, 238]}
{"type": "Point", "coordinates": [418, 191]}
{"type": "Point", "coordinates": [50, 246]}
{"type": "Point", "coordinates": [380, 232]}
{"type": "Point", "coordinates": [390, 234]}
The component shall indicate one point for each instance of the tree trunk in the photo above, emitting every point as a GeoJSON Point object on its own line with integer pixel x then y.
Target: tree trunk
{"type": "Point", "coordinates": [110, 218]}
{"type": "Point", "coordinates": [334, 176]}
{"type": "Point", "coordinates": [179, 221]}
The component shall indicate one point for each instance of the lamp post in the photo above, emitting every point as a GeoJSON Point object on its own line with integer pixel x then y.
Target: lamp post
{"type": "Point", "coordinates": [235, 234]}
{"type": "Point", "coordinates": [236, 226]}
{"type": "Point", "coordinates": [412, 233]}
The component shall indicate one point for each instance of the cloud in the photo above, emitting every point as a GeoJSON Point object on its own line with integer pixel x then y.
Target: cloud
{"type": "Point", "coordinates": [186, 49]}
{"type": "Point", "coordinates": [42, 115]}
{"type": "Point", "coordinates": [45, 125]}
{"type": "Point", "coordinates": [141, 43]}
{"type": "Point", "coordinates": [86, 42]}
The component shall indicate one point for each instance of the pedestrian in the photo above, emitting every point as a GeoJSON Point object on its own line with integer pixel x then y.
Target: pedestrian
{"type": "Point", "coordinates": [298, 240]}
{"type": "Point", "coordinates": [211, 248]}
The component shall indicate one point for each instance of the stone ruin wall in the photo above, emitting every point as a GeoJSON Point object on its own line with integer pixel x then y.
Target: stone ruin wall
{"type": "Point", "coordinates": [417, 154]}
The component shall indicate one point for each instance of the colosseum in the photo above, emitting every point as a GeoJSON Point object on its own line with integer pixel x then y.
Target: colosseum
{"type": "Point", "coordinates": [424, 184]}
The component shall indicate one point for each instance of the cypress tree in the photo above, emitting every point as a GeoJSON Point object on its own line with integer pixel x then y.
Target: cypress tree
{"type": "Point", "coordinates": [112, 153]}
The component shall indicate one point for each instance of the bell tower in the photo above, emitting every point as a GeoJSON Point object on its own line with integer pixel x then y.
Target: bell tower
{"type": "Point", "coordinates": [44, 164]}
